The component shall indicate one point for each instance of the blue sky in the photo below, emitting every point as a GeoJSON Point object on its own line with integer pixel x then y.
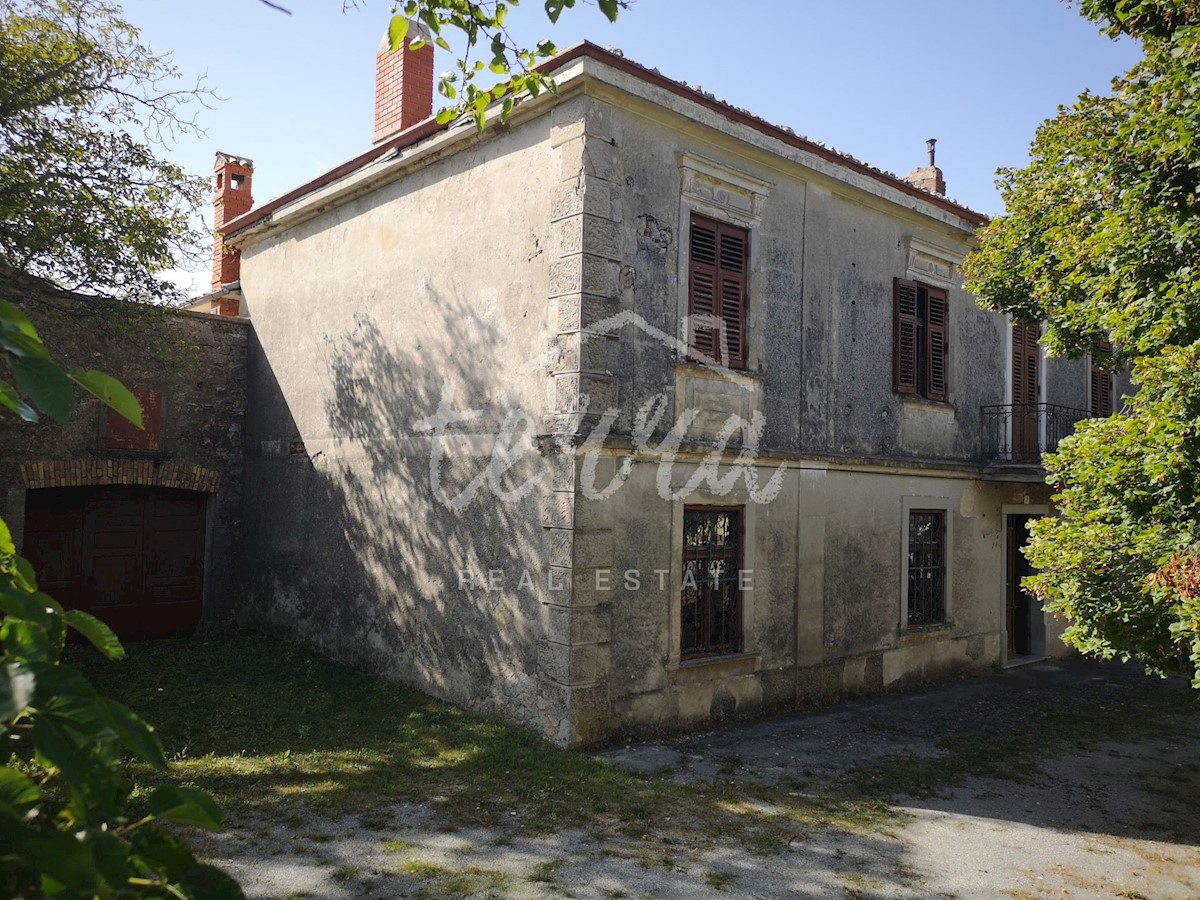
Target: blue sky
{"type": "Point", "coordinates": [873, 78]}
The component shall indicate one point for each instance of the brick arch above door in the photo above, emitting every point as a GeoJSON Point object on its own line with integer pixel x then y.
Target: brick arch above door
{"type": "Point", "coordinates": [84, 472]}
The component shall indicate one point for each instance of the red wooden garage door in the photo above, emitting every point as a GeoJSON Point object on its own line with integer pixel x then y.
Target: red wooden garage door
{"type": "Point", "coordinates": [132, 556]}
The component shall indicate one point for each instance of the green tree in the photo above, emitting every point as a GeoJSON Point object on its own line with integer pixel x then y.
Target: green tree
{"type": "Point", "coordinates": [87, 206]}
{"type": "Point", "coordinates": [87, 201]}
{"type": "Point", "coordinates": [482, 26]}
{"type": "Point", "coordinates": [1100, 241]}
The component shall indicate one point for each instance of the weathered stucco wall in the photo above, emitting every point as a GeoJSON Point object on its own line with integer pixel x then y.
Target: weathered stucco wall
{"type": "Point", "coordinates": [826, 614]}
{"type": "Point", "coordinates": [426, 291]}
{"type": "Point", "coordinates": [197, 362]}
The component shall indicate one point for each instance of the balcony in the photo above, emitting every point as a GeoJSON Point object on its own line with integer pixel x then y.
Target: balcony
{"type": "Point", "coordinates": [1017, 434]}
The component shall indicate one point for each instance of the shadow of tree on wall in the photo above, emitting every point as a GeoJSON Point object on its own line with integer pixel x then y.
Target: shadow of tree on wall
{"type": "Point", "coordinates": [368, 563]}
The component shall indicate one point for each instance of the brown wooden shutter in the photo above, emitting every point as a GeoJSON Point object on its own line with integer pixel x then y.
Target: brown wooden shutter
{"type": "Point", "coordinates": [1025, 363]}
{"type": "Point", "coordinates": [718, 261]}
{"type": "Point", "coordinates": [905, 327]}
{"type": "Point", "coordinates": [1102, 401]}
{"type": "Point", "coordinates": [734, 253]}
{"type": "Point", "coordinates": [936, 347]}
{"type": "Point", "coordinates": [702, 286]}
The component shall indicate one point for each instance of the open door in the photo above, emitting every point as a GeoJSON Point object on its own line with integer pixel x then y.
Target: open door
{"type": "Point", "coordinates": [1023, 620]}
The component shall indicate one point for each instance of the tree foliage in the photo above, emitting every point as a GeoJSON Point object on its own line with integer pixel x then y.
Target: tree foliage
{"type": "Point", "coordinates": [86, 199]}
{"type": "Point", "coordinates": [1100, 241]}
{"type": "Point", "coordinates": [488, 47]}
{"type": "Point", "coordinates": [484, 28]}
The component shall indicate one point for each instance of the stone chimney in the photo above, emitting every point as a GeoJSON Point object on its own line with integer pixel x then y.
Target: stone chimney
{"type": "Point", "coordinates": [232, 199]}
{"type": "Point", "coordinates": [403, 84]}
{"type": "Point", "coordinates": [930, 177]}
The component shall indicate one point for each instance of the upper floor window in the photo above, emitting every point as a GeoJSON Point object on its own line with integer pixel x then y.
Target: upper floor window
{"type": "Point", "coordinates": [920, 345]}
{"type": "Point", "coordinates": [718, 263]}
{"type": "Point", "coordinates": [1102, 387]}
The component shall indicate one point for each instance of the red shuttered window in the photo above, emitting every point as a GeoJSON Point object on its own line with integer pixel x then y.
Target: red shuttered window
{"type": "Point", "coordinates": [718, 262]}
{"type": "Point", "coordinates": [920, 340]}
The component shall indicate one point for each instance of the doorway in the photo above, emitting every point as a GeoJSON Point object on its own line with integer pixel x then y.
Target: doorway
{"type": "Point", "coordinates": [131, 555]}
{"type": "Point", "coordinates": [1024, 622]}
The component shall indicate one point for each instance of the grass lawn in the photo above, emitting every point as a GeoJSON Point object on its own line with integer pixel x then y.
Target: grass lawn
{"type": "Point", "coordinates": [267, 726]}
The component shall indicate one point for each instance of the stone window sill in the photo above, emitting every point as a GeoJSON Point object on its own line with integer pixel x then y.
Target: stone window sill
{"type": "Point", "coordinates": [925, 633]}
{"type": "Point", "coordinates": [691, 367]}
{"type": "Point", "coordinates": [713, 668]}
{"type": "Point", "coordinates": [919, 402]}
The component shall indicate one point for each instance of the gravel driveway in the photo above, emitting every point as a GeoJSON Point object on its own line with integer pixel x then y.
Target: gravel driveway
{"type": "Point", "coordinates": [1066, 780]}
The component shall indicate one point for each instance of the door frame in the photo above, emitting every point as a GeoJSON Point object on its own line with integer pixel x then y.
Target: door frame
{"type": "Point", "coordinates": [1040, 650]}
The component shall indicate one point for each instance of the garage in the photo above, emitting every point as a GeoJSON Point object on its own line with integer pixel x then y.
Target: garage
{"type": "Point", "coordinates": [131, 555]}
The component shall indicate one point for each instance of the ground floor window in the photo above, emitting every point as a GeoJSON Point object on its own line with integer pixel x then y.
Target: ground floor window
{"type": "Point", "coordinates": [711, 599]}
{"type": "Point", "coordinates": [926, 567]}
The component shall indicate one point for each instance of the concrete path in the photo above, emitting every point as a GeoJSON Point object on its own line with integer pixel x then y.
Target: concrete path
{"type": "Point", "coordinates": [999, 787]}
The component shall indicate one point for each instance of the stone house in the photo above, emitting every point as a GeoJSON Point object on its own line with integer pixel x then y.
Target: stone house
{"type": "Point", "coordinates": [634, 413]}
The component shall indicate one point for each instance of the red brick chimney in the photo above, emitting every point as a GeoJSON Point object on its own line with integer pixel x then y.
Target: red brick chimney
{"type": "Point", "coordinates": [403, 84]}
{"type": "Point", "coordinates": [232, 199]}
{"type": "Point", "coordinates": [929, 177]}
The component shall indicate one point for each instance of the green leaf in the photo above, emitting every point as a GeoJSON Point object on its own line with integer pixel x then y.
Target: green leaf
{"type": "Point", "coordinates": [165, 852]}
{"type": "Point", "coordinates": [397, 29]}
{"type": "Point", "coordinates": [111, 393]}
{"type": "Point", "coordinates": [25, 640]}
{"type": "Point", "coordinates": [135, 734]}
{"type": "Point", "coordinates": [210, 883]}
{"type": "Point", "coordinates": [12, 316]}
{"type": "Point", "coordinates": [97, 632]}
{"type": "Point", "coordinates": [23, 573]}
{"type": "Point", "coordinates": [46, 385]}
{"type": "Point", "coordinates": [55, 854]}
{"type": "Point", "coordinates": [17, 343]}
{"type": "Point", "coordinates": [12, 400]}
{"type": "Point", "coordinates": [17, 791]}
{"type": "Point", "coordinates": [610, 8]}
{"type": "Point", "coordinates": [186, 805]}
{"type": "Point", "coordinates": [7, 547]}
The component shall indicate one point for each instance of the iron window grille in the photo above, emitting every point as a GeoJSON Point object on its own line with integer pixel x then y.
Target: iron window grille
{"type": "Point", "coordinates": [926, 568]}
{"type": "Point", "coordinates": [711, 598]}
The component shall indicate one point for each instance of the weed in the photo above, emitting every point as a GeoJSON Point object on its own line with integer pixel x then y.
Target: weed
{"type": "Point", "coordinates": [719, 880]}
{"type": "Point", "coordinates": [544, 872]}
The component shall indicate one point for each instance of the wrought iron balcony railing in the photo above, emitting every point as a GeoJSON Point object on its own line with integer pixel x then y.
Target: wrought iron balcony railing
{"type": "Point", "coordinates": [1022, 432]}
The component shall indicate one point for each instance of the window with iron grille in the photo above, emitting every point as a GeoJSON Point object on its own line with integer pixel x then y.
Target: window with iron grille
{"type": "Point", "coordinates": [711, 599]}
{"type": "Point", "coordinates": [920, 345]}
{"type": "Point", "coordinates": [926, 567]}
{"type": "Point", "coordinates": [718, 262]}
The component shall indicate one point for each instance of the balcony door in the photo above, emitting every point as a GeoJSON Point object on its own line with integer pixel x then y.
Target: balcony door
{"type": "Point", "coordinates": [1026, 387]}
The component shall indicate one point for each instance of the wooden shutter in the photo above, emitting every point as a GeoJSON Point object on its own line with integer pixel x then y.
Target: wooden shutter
{"type": "Point", "coordinates": [718, 262]}
{"type": "Point", "coordinates": [1101, 393]}
{"type": "Point", "coordinates": [734, 253]}
{"type": "Point", "coordinates": [906, 325]}
{"type": "Point", "coordinates": [702, 285]}
{"type": "Point", "coordinates": [1025, 364]}
{"type": "Point", "coordinates": [936, 347]}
